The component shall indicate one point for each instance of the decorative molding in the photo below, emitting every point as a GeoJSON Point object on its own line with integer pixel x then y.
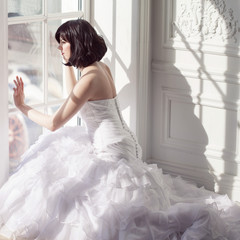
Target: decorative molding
{"type": "Point", "coordinates": [189, 97]}
{"type": "Point", "coordinates": [184, 145]}
{"type": "Point", "coordinates": [223, 182]}
{"type": "Point", "coordinates": [185, 75]}
{"type": "Point", "coordinates": [192, 31]}
{"type": "Point", "coordinates": [206, 74]}
{"type": "Point", "coordinates": [198, 47]}
{"type": "Point", "coordinates": [208, 19]}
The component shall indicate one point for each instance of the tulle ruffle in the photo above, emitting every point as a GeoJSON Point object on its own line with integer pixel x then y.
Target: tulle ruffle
{"type": "Point", "coordinates": [73, 194]}
{"type": "Point", "coordinates": [77, 184]}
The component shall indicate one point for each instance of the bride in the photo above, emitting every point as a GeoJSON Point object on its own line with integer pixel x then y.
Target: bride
{"type": "Point", "coordinates": [89, 183]}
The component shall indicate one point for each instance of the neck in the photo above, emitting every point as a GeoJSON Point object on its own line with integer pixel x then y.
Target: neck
{"type": "Point", "coordinates": [84, 69]}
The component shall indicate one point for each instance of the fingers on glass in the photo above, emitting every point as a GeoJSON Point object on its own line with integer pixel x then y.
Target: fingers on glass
{"type": "Point", "coordinates": [18, 83]}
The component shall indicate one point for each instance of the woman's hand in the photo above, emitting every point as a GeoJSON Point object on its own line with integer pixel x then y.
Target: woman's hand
{"type": "Point", "coordinates": [18, 94]}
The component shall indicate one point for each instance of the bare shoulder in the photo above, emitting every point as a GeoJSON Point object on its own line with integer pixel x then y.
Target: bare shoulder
{"type": "Point", "coordinates": [89, 76]}
{"type": "Point", "coordinates": [105, 67]}
{"type": "Point", "coordinates": [96, 72]}
{"type": "Point", "coordinates": [86, 82]}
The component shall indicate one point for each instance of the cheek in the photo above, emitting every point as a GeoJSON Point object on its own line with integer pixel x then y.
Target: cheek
{"type": "Point", "coordinates": [68, 48]}
{"type": "Point", "coordinates": [70, 52]}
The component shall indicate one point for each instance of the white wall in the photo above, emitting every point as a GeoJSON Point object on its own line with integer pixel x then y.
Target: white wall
{"type": "Point", "coordinates": [126, 27]}
{"type": "Point", "coordinates": [195, 77]}
{"type": "Point", "coordinates": [118, 23]}
{"type": "Point", "coordinates": [3, 93]}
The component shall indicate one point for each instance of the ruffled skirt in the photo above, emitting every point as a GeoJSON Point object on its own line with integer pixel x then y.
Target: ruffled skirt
{"type": "Point", "coordinates": [64, 190]}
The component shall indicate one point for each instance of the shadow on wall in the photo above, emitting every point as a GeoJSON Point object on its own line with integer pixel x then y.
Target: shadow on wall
{"type": "Point", "coordinates": [122, 61]}
{"type": "Point", "coordinates": [224, 19]}
{"type": "Point", "coordinates": [182, 131]}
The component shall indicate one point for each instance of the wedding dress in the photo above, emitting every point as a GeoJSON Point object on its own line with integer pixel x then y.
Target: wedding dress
{"type": "Point", "coordinates": [89, 183]}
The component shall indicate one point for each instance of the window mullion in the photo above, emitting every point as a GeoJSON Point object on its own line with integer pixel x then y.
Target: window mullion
{"type": "Point", "coordinates": [40, 105]}
{"type": "Point", "coordinates": [45, 57]}
{"type": "Point", "coordinates": [45, 61]}
{"type": "Point", "coordinates": [87, 10]}
{"type": "Point", "coordinates": [58, 16]}
{"type": "Point", "coordinates": [26, 19]}
{"type": "Point", "coordinates": [37, 18]}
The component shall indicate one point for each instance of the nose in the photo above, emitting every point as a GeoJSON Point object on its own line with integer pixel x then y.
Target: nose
{"type": "Point", "coordinates": [59, 47]}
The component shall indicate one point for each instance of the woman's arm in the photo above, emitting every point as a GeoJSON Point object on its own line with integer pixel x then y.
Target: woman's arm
{"type": "Point", "coordinates": [78, 96]}
{"type": "Point", "coordinates": [70, 79]}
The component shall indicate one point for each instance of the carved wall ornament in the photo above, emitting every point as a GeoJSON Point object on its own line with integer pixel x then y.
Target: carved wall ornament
{"type": "Point", "coordinates": [208, 19]}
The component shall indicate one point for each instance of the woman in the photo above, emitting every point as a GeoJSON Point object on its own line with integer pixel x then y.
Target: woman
{"type": "Point", "coordinates": [90, 183]}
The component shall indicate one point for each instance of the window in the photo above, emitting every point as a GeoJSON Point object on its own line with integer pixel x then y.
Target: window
{"type": "Point", "coordinates": [33, 55]}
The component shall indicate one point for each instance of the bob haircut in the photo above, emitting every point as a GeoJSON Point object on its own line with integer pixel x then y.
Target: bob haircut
{"type": "Point", "coordinates": [87, 46]}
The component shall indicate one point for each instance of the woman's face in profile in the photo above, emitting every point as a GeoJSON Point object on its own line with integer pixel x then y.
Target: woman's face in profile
{"type": "Point", "coordinates": [65, 48]}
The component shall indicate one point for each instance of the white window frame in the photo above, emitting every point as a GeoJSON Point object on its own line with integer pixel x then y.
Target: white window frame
{"type": "Point", "coordinates": [4, 159]}
{"type": "Point", "coordinates": [144, 79]}
{"type": "Point", "coordinates": [5, 21]}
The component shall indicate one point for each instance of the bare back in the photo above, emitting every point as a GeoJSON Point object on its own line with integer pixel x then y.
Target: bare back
{"type": "Point", "coordinates": [102, 84]}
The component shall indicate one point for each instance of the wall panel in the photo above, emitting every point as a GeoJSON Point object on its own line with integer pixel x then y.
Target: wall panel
{"type": "Point", "coordinates": [195, 79]}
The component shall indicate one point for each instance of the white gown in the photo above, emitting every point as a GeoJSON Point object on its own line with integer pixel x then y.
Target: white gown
{"type": "Point", "coordinates": [91, 184]}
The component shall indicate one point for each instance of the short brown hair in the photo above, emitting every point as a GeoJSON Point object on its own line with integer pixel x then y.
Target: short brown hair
{"type": "Point", "coordinates": [87, 46]}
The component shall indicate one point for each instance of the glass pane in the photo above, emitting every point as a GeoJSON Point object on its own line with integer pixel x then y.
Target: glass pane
{"type": "Point", "coordinates": [64, 6]}
{"type": "Point", "coordinates": [56, 76]}
{"type": "Point", "coordinates": [24, 8]}
{"type": "Point", "coordinates": [25, 59]}
{"type": "Point", "coordinates": [22, 133]}
{"type": "Point", "coordinates": [55, 66]}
